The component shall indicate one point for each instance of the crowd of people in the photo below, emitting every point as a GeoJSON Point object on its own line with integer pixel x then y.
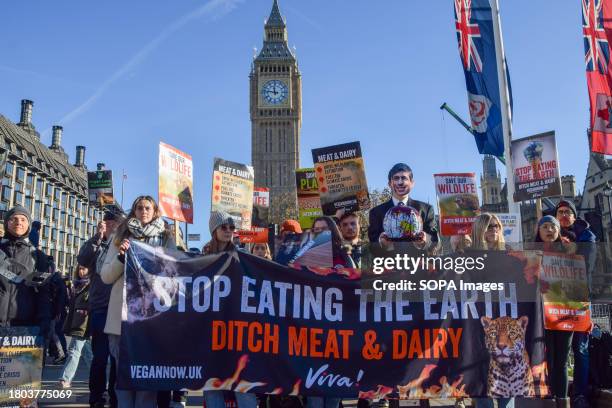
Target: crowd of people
{"type": "Point", "coordinates": [89, 309]}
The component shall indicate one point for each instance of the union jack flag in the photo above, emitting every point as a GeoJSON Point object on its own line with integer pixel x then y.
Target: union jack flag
{"type": "Point", "coordinates": [597, 49]}
{"type": "Point", "coordinates": [466, 32]}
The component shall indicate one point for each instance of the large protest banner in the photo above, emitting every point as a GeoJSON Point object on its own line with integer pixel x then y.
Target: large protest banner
{"type": "Point", "coordinates": [175, 184]}
{"type": "Point", "coordinates": [100, 187]}
{"type": "Point", "coordinates": [565, 292]}
{"type": "Point", "coordinates": [536, 167]}
{"type": "Point", "coordinates": [21, 361]}
{"type": "Point", "coordinates": [458, 202]}
{"type": "Point", "coordinates": [309, 202]}
{"type": "Point", "coordinates": [232, 191]}
{"type": "Point", "coordinates": [341, 177]}
{"type": "Point", "coordinates": [251, 325]}
{"type": "Point", "coordinates": [258, 233]}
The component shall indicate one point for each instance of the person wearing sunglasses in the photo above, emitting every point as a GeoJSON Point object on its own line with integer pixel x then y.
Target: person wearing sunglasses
{"type": "Point", "coordinates": [144, 223]}
{"type": "Point", "coordinates": [488, 233]}
{"type": "Point", "coordinates": [222, 227]}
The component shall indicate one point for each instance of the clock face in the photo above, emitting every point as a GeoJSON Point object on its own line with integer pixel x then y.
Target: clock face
{"type": "Point", "coordinates": [274, 92]}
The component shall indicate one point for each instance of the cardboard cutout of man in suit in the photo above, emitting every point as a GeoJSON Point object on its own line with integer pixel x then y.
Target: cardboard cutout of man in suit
{"type": "Point", "coordinates": [401, 182]}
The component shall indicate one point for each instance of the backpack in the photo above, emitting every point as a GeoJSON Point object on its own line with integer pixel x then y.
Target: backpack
{"type": "Point", "coordinates": [600, 356]}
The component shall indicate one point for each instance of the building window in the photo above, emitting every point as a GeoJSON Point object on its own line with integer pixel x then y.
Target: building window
{"type": "Point", "coordinates": [54, 234]}
{"type": "Point", "coordinates": [37, 209]}
{"type": "Point", "coordinates": [45, 231]}
{"type": "Point", "coordinates": [18, 187]}
{"type": "Point", "coordinates": [56, 214]}
{"type": "Point", "coordinates": [28, 203]}
{"type": "Point", "coordinates": [49, 190]}
{"type": "Point", "coordinates": [18, 198]}
{"type": "Point", "coordinates": [6, 193]}
{"type": "Point", "coordinates": [20, 174]}
{"type": "Point", "coordinates": [39, 187]}
{"type": "Point", "coordinates": [9, 168]}
{"type": "Point", "coordinates": [57, 195]}
{"type": "Point", "coordinates": [47, 211]}
{"type": "Point", "coordinates": [30, 181]}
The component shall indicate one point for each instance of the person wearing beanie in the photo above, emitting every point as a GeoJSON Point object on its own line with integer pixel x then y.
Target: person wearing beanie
{"type": "Point", "coordinates": [221, 226]}
{"type": "Point", "coordinates": [578, 230]}
{"type": "Point", "coordinates": [91, 256]}
{"type": "Point", "coordinates": [290, 227]}
{"type": "Point", "coordinates": [24, 301]}
{"type": "Point", "coordinates": [558, 342]}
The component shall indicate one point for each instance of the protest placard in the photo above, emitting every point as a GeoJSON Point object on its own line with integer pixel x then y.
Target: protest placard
{"type": "Point", "coordinates": [232, 191]}
{"type": "Point", "coordinates": [175, 184]}
{"type": "Point", "coordinates": [536, 167]}
{"type": "Point", "coordinates": [341, 178]}
{"type": "Point", "coordinates": [457, 202]}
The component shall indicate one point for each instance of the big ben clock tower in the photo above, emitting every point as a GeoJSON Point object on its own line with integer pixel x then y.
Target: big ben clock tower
{"type": "Point", "coordinates": [276, 117]}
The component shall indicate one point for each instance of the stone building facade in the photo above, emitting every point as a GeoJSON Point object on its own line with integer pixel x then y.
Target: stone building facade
{"type": "Point", "coordinates": [276, 116]}
{"type": "Point", "coordinates": [43, 180]}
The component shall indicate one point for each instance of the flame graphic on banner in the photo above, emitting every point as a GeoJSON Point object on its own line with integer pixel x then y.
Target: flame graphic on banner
{"type": "Point", "coordinates": [380, 392]}
{"type": "Point", "coordinates": [213, 384]}
{"type": "Point", "coordinates": [414, 389]}
{"type": "Point", "coordinates": [540, 373]}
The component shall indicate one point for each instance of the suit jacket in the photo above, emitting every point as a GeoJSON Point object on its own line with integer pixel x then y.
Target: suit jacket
{"type": "Point", "coordinates": [377, 215]}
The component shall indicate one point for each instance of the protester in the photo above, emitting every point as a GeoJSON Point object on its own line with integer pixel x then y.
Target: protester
{"type": "Point", "coordinates": [350, 228]}
{"type": "Point", "coordinates": [59, 309]}
{"type": "Point", "coordinates": [76, 326]}
{"type": "Point", "coordinates": [91, 256]}
{"type": "Point", "coordinates": [144, 223]}
{"type": "Point", "coordinates": [289, 243]}
{"type": "Point", "coordinates": [558, 342]}
{"type": "Point", "coordinates": [290, 227]}
{"type": "Point", "coordinates": [460, 243]}
{"type": "Point", "coordinates": [221, 226]}
{"type": "Point", "coordinates": [261, 250]}
{"type": "Point", "coordinates": [22, 303]}
{"type": "Point", "coordinates": [578, 230]}
{"type": "Point", "coordinates": [401, 182]}
{"type": "Point", "coordinates": [487, 234]}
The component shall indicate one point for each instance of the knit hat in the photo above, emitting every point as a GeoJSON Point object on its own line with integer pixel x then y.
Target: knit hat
{"type": "Point", "coordinates": [292, 226]}
{"type": "Point", "coordinates": [568, 204]}
{"type": "Point", "coordinates": [218, 218]}
{"type": "Point", "coordinates": [17, 210]}
{"type": "Point", "coordinates": [551, 219]}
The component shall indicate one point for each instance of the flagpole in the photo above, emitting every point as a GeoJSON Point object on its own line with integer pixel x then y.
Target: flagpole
{"type": "Point", "coordinates": [505, 108]}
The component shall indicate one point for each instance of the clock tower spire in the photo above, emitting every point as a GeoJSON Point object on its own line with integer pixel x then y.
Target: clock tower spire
{"type": "Point", "coordinates": [276, 117]}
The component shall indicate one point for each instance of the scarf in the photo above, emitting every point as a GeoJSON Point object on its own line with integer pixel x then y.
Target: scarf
{"type": "Point", "coordinates": [153, 233]}
{"type": "Point", "coordinates": [80, 284]}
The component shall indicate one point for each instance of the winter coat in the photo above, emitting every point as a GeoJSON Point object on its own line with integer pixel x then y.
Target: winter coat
{"type": "Point", "coordinates": [21, 303]}
{"type": "Point", "coordinates": [91, 255]}
{"type": "Point", "coordinates": [112, 273]}
{"type": "Point", "coordinates": [78, 313]}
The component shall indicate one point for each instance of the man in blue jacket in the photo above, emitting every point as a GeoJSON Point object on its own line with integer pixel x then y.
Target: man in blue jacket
{"type": "Point", "coordinates": [578, 230]}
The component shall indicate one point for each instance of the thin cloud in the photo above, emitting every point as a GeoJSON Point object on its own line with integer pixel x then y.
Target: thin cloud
{"type": "Point", "coordinates": [214, 9]}
{"type": "Point", "coordinates": [308, 20]}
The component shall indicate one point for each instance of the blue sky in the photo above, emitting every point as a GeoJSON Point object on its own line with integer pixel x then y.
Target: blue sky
{"type": "Point", "coordinates": [121, 76]}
